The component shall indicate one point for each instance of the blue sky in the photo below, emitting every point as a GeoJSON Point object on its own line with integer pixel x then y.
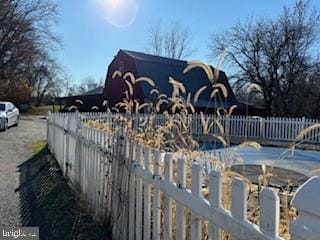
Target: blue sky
{"type": "Point", "coordinates": [92, 36]}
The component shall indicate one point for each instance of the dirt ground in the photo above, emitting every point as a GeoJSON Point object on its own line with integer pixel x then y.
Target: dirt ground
{"type": "Point", "coordinates": [33, 191]}
{"type": "Point", "coordinates": [13, 152]}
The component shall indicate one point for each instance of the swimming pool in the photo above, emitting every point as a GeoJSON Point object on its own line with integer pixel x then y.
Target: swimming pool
{"type": "Point", "coordinates": [306, 162]}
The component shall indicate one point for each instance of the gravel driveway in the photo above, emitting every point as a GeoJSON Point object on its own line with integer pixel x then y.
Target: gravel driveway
{"type": "Point", "coordinates": [13, 152]}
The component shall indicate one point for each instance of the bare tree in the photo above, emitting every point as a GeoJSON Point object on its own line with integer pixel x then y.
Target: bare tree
{"type": "Point", "coordinates": [48, 80]}
{"type": "Point", "coordinates": [172, 42]}
{"type": "Point", "coordinates": [25, 40]}
{"type": "Point", "coordinates": [276, 54]}
{"type": "Point", "coordinates": [86, 84]}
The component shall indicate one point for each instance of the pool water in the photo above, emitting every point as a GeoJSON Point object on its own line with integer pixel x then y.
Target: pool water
{"type": "Point", "coordinates": [207, 146]}
{"type": "Point", "coordinates": [305, 162]}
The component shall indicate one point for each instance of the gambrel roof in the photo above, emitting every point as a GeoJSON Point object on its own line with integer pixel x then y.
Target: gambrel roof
{"type": "Point", "coordinates": [159, 69]}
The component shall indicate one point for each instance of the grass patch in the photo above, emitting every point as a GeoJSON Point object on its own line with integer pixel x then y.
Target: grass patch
{"type": "Point", "coordinates": [37, 146]}
{"type": "Point", "coordinates": [43, 110]}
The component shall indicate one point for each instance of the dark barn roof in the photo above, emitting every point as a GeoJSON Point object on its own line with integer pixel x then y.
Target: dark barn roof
{"type": "Point", "coordinates": [159, 69]}
{"type": "Point", "coordinates": [90, 99]}
{"type": "Point", "coordinates": [98, 90]}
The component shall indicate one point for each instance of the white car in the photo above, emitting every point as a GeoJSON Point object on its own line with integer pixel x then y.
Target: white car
{"type": "Point", "coordinates": [9, 115]}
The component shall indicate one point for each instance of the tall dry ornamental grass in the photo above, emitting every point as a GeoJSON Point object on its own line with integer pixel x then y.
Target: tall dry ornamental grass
{"type": "Point", "coordinates": [167, 126]}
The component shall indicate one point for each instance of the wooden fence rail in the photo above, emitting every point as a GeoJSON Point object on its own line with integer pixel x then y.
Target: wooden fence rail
{"type": "Point", "coordinates": [145, 197]}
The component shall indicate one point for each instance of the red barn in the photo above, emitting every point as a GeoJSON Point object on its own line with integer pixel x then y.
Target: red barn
{"type": "Point", "coordinates": [159, 69]}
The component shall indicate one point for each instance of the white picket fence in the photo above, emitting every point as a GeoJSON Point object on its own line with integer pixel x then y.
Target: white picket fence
{"type": "Point", "coordinates": [144, 196]}
{"type": "Point", "coordinates": [270, 128]}
{"type": "Point", "coordinates": [257, 128]}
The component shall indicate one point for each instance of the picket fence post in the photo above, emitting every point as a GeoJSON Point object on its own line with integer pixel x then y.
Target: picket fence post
{"type": "Point", "coordinates": [269, 212]}
{"type": "Point", "coordinates": [306, 201]}
{"type": "Point", "coordinates": [78, 152]}
{"type": "Point", "coordinates": [67, 146]}
{"type": "Point", "coordinates": [215, 199]}
{"type": "Point", "coordinates": [48, 133]}
{"type": "Point", "coordinates": [64, 146]}
{"type": "Point", "coordinates": [156, 223]}
{"type": "Point", "coordinates": [167, 226]}
{"type": "Point", "coordinates": [239, 200]}
{"type": "Point", "coordinates": [196, 230]}
{"type": "Point", "coordinates": [132, 187]}
{"type": "Point", "coordinates": [139, 219]}
{"type": "Point", "coordinates": [181, 183]}
{"type": "Point", "coordinates": [147, 197]}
